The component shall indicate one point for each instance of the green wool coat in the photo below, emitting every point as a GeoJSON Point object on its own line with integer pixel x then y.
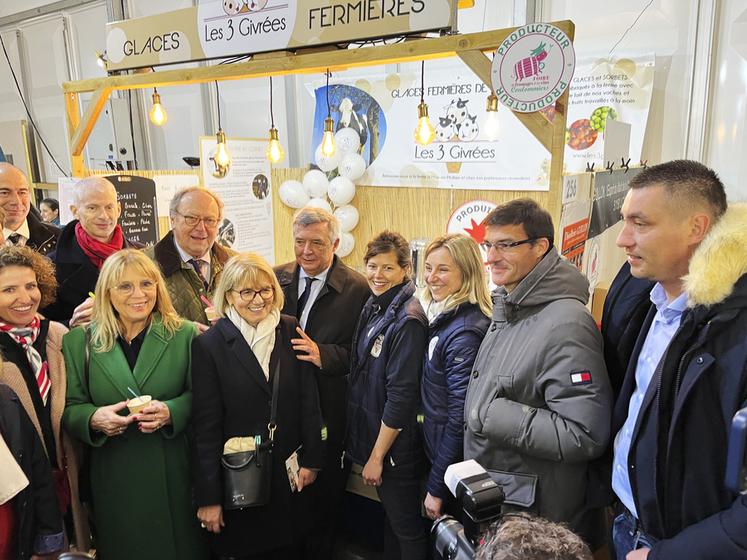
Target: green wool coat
{"type": "Point", "coordinates": [140, 483]}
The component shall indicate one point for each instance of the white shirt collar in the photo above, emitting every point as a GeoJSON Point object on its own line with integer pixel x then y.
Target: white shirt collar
{"type": "Point", "coordinates": [186, 257]}
{"type": "Point", "coordinates": [322, 276]}
{"type": "Point", "coordinates": [23, 230]}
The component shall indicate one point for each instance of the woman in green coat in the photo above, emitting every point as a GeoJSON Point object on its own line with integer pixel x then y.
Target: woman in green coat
{"type": "Point", "coordinates": [139, 461]}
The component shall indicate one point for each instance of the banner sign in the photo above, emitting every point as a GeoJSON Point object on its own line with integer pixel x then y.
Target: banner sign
{"type": "Point", "coordinates": [533, 67]}
{"type": "Point", "coordinates": [224, 28]}
{"type": "Point", "coordinates": [464, 155]}
{"type": "Point", "coordinates": [245, 190]}
{"type": "Point", "coordinates": [609, 193]}
{"type": "Point", "coordinates": [604, 90]}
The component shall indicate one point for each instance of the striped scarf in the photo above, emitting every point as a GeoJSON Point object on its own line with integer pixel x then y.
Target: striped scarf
{"type": "Point", "coordinates": [25, 336]}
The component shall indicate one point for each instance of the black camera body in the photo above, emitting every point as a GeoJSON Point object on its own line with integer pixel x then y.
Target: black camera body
{"type": "Point", "coordinates": [480, 498]}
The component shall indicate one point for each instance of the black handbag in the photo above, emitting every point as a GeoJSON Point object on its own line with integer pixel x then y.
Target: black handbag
{"type": "Point", "coordinates": [247, 475]}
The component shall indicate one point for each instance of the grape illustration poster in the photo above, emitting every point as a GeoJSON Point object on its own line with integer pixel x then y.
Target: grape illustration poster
{"type": "Point", "coordinates": [601, 90]}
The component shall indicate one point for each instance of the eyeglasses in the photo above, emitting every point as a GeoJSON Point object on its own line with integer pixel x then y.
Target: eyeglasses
{"type": "Point", "coordinates": [192, 221]}
{"type": "Point", "coordinates": [248, 294]}
{"type": "Point", "coordinates": [503, 246]}
{"type": "Point", "coordinates": [128, 288]}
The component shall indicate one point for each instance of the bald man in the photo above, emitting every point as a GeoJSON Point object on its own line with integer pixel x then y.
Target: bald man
{"type": "Point", "coordinates": [22, 225]}
{"type": "Point", "coordinates": [84, 245]}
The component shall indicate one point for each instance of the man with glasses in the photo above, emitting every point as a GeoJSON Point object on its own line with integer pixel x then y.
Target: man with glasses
{"type": "Point", "coordinates": [327, 298]}
{"type": "Point", "coordinates": [538, 403]}
{"type": "Point", "coordinates": [82, 248]}
{"type": "Point", "coordinates": [23, 225]}
{"type": "Point", "coordinates": [189, 258]}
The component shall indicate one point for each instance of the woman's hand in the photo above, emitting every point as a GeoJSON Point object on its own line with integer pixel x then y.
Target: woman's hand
{"type": "Point", "coordinates": [306, 477]}
{"type": "Point", "coordinates": [211, 518]}
{"type": "Point", "coordinates": [106, 419]}
{"type": "Point", "coordinates": [372, 472]}
{"type": "Point", "coordinates": [433, 506]}
{"type": "Point", "coordinates": [153, 417]}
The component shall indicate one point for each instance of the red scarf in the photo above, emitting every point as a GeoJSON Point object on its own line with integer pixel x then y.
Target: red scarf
{"type": "Point", "coordinates": [94, 249]}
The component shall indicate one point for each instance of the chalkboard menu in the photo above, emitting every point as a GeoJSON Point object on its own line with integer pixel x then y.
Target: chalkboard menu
{"type": "Point", "coordinates": [137, 197]}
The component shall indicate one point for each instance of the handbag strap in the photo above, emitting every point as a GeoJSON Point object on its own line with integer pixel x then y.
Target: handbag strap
{"type": "Point", "coordinates": [272, 425]}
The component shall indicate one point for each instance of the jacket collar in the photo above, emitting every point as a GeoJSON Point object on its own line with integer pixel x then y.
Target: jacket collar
{"type": "Point", "coordinates": [720, 260]}
{"type": "Point", "coordinates": [155, 344]}
{"type": "Point", "coordinates": [237, 344]}
{"type": "Point", "coordinates": [168, 257]}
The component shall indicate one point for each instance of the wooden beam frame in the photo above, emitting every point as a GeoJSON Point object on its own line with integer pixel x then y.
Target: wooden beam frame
{"type": "Point", "coordinates": [470, 48]}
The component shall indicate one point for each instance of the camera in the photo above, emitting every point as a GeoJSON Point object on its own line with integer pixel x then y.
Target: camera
{"type": "Point", "coordinates": [480, 499]}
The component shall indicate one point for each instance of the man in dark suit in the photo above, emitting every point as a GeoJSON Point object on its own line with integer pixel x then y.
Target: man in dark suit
{"type": "Point", "coordinates": [23, 226]}
{"type": "Point", "coordinates": [327, 297]}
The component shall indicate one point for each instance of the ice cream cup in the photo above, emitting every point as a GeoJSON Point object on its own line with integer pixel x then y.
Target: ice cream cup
{"type": "Point", "coordinates": [138, 403]}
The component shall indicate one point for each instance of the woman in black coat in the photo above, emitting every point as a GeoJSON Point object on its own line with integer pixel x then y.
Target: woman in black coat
{"type": "Point", "coordinates": [233, 368]}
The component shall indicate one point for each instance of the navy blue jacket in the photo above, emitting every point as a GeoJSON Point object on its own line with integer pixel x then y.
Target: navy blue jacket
{"type": "Point", "coordinates": [384, 386]}
{"type": "Point", "coordinates": [678, 456]}
{"type": "Point", "coordinates": [454, 339]}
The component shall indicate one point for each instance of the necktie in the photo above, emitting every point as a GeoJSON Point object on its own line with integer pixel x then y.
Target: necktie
{"type": "Point", "coordinates": [14, 238]}
{"type": "Point", "coordinates": [304, 296]}
{"type": "Point", "coordinates": [197, 265]}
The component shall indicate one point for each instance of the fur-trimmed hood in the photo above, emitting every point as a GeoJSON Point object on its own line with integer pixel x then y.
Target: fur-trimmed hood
{"type": "Point", "coordinates": [720, 260]}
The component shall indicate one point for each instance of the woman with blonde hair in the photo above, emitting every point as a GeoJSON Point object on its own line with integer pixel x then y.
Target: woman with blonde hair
{"type": "Point", "coordinates": [458, 307]}
{"type": "Point", "coordinates": [135, 346]}
{"type": "Point", "coordinates": [241, 365]}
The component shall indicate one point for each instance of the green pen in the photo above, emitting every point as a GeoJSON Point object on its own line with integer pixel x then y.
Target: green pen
{"type": "Point", "coordinates": [91, 295]}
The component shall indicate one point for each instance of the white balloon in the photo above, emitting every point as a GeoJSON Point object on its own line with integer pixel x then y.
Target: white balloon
{"type": "Point", "coordinates": [320, 203]}
{"type": "Point", "coordinates": [347, 140]}
{"type": "Point", "coordinates": [316, 183]}
{"type": "Point", "coordinates": [326, 163]}
{"type": "Point", "coordinates": [352, 166]}
{"type": "Point", "coordinates": [341, 190]}
{"type": "Point", "coordinates": [346, 246]}
{"type": "Point", "coordinates": [348, 217]}
{"type": "Point", "coordinates": [293, 194]}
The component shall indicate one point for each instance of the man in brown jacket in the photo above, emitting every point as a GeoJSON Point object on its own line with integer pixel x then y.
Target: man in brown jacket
{"type": "Point", "coordinates": [189, 258]}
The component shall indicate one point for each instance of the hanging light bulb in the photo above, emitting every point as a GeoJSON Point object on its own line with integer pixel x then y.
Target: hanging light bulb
{"type": "Point", "coordinates": [425, 133]}
{"type": "Point", "coordinates": [158, 115]}
{"type": "Point", "coordinates": [221, 158]}
{"type": "Point", "coordinates": [328, 140]}
{"type": "Point", "coordinates": [492, 124]}
{"type": "Point", "coordinates": [275, 152]}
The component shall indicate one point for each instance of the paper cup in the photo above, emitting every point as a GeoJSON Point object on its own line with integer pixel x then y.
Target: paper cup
{"type": "Point", "coordinates": [138, 403]}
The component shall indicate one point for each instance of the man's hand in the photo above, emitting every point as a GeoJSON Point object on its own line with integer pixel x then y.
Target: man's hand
{"type": "Point", "coordinates": [200, 327]}
{"type": "Point", "coordinates": [640, 554]}
{"type": "Point", "coordinates": [305, 344]}
{"type": "Point", "coordinates": [82, 313]}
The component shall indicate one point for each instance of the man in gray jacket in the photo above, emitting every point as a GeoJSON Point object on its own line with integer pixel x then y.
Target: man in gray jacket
{"type": "Point", "coordinates": [539, 402]}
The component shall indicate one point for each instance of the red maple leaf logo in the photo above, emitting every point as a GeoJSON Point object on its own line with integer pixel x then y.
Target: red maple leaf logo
{"type": "Point", "coordinates": [476, 232]}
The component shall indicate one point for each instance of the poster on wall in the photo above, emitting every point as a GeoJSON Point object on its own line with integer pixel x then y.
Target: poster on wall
{"type": "Point", "coordinates": [574, 217]}
{"type": "Point", "coordinates": [473, 148]}
{"type": "Point", "coordinates": [603, 90]}
{"type": "Point", "coordinates": [245, 190]}
{"type": "Point", "coordinates": [167, 186]}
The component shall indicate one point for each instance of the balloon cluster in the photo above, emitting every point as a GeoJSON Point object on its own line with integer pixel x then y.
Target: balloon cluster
{"type": "Point", "coordinates": [316, 187]}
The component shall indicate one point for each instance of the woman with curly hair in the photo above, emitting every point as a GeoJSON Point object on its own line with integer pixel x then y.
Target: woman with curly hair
{"type": "Point", "coordinates": [33, 366]}
{"type": "Point", "coordinates": [136, 344]}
